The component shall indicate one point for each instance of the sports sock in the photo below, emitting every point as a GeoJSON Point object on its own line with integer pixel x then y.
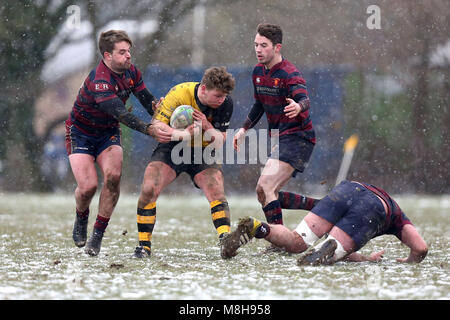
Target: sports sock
{"type": "Point", "coordinates": [262, 230]}
{"type": "Point", "coordinates": [82, 214]}
{"type": "Point", "coordinates": [101, 223]}
{"type": "Point", "coordinates": [146, 219]}
{"type": "Point", "coordinates": [289, 200]}
{"type": "Point", "coordinates": [220, 214]}
{"type": "Point", "coordinates": [273, 213]}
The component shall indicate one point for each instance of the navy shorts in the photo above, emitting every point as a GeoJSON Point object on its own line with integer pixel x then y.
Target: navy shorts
{"type": "Point", "coordinates": [354, 209]}
{"type": "Point", "coordinates": [78, 142]}
{"type": "Point", "coordinates": [294, 150]}
{"type": "Point", "coordinates": [163, 153]}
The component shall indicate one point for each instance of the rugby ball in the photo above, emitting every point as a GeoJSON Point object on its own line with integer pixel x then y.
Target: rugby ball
{"type": "Point", "coordinates": [182, 117]}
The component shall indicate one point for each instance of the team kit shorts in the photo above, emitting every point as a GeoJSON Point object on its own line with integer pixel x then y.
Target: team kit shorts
{"type": "Point", "coordinates": [163, 153]}
{"type": "Point", "coordinates": [294, 150]}
{"type": "Point", "coordinates": [79, 142]}
{"type": "Point", "coordinates": [354, 209]}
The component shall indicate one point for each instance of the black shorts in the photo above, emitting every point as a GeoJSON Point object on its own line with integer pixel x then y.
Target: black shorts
{"type": "Point", "coordinates": [294, 150]}
{"type": "Point", "coordinates": [78, 142]}
{"type": "Point", "coordinates": [354, 209]}
{"type": "Point", "coordinates": [191, 164]}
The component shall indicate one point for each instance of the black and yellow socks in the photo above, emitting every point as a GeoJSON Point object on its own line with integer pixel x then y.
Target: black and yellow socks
{"type": "Point", "coordinates": [146, 218]}
{"type": "Point", "coordinates": [220, 214]}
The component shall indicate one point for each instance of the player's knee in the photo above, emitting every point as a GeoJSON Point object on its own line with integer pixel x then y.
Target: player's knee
{"type": "Point", "coordinates": [112, 180]}
{"type": "Point", "coordinates": [150, 192]}
{"type": "Point", "coordinates": [87, 190]}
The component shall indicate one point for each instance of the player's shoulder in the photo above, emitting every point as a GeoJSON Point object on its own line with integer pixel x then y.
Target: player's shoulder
{"type": "Point", "coordinates": [183, 88]}
{"type": "Point", "coordinates": [289, 69]}
{"type": "Point", "coordinates": [101, 73]}
{"type": "Point", "coordinates": [258, 70]}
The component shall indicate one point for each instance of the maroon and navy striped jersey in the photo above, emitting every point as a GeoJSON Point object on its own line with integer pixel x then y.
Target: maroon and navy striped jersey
{"type": "Point", "coordinates": [395, 218]}
{"type": "Point", "coordinates": [102, 84]}
{"type": "Point", "coordinates": [271, 88]}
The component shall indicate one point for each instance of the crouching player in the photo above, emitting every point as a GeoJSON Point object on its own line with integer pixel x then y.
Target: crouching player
{"type": "Point", "coordinates": [352, 214]}
{"type": "Point", "coordinates": [213, 109]}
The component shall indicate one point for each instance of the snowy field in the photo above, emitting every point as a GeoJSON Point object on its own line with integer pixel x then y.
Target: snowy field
{"type": "Point", "coordinates": [39, 260]}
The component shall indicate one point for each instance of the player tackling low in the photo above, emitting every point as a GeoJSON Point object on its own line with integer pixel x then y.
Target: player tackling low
{"type": "Point", "coordinates": [351, 214]}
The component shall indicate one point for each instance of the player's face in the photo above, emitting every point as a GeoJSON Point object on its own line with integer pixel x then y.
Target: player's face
{"type": "Point", "coordinates": [212, 97]}
{"type": "Point", "coordinates": [265, 50]}
{"type": "Point", "coordinates": [120, 58]}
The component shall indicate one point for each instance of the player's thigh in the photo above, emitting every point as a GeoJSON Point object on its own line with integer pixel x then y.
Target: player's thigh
{"type": "Point", "coordinates": [211, 182]}
{"type": "Point", "coordinates": [83, 168]}
{"type": "Point", "coordinates": [157, 176]}
{"type": "Point", "coordinates": [318, 225]}
{"type": "Point", "coordinates": [110, 162]}
{"type": "Point", "coordinates": [275, 175]}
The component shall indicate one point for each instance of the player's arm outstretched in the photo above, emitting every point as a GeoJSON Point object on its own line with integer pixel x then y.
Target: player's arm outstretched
{"type": "Point", "coordinates": [116, 108]}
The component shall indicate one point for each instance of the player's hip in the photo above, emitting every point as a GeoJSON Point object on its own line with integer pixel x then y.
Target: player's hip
{"type": "Point", "coordinates": [78, 141]}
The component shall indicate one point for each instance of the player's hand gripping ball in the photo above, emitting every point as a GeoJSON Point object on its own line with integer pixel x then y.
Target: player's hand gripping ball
{"type": "Point", "coordinates": [182, 117]}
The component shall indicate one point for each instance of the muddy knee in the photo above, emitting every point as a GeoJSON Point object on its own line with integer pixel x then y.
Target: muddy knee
{"type": "Point", "coordinates": [87, 191]}
{"type": "Point", "coordinates": [112, 180]}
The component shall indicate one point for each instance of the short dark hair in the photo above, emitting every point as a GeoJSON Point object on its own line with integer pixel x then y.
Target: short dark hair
{"type": "Point", "coordinates": [272, 32]}
{"type": "Point", "coordinates": [108, 39]}
{"type": "Point", "coordinates": [218, 78]}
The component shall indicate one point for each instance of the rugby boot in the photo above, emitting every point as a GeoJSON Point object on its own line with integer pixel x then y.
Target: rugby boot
{"type": "Point", "coordinates": [95, 243]}
{"type": "Point", "coordinates": [79, 233]}
{"type": "Point", "coordinates": [244, 232]}
{"type": "Point", "coordinates": [317, 257]}
{"type": "Point", "coordinates": [141, 252]}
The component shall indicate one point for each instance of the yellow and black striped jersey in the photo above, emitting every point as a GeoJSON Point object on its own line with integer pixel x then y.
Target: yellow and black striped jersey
{"type": "Point", "coordinates": [186, 93]}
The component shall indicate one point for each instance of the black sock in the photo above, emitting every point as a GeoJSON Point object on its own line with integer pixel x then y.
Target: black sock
{"type": "Point", "coordinates": [273, 213]}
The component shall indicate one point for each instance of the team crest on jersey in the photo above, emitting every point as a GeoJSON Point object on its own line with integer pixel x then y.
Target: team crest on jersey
{"type": "Point", "coordinates": [258, 80]}
{"type": "Point", "coordinates": [276, 82]}
{"type": "Point", "coordinates": [101, 87]}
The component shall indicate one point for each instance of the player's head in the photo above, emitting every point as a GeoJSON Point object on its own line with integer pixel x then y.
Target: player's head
{"type": "Point", "coordinates": [216, 84]}
{"type": "Point", "coordinates": [114, 46]}
{"type": "Point", "coordinates": [268, 40]}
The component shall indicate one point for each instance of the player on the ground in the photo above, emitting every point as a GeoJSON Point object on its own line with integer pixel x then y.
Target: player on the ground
{"type": "Point", "coordinates": [213, 109]}
{"type": "Point", "coordinates": [351, 214]}
{"type": "Point", "coordinates": [280, 92]}
{"type": "Point", "coordinates": [93, 132]}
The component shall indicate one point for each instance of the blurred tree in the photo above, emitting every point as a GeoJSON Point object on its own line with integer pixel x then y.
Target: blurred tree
{"type": "Point", "coordinates": [27, 28]}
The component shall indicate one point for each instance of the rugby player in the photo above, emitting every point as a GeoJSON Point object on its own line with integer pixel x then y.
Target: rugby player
{"type": "Point", "coordinates": [280, 92]}
{"type": "Point", "coordinates": [93, 133]}
{"type": "Point", "coordinates": [213, 109]}
{"type": "Point", "coordinates": [351, 214]}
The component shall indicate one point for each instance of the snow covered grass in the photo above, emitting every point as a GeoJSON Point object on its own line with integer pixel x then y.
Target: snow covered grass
{"type": "Point", "coordinates": [39, 261]}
